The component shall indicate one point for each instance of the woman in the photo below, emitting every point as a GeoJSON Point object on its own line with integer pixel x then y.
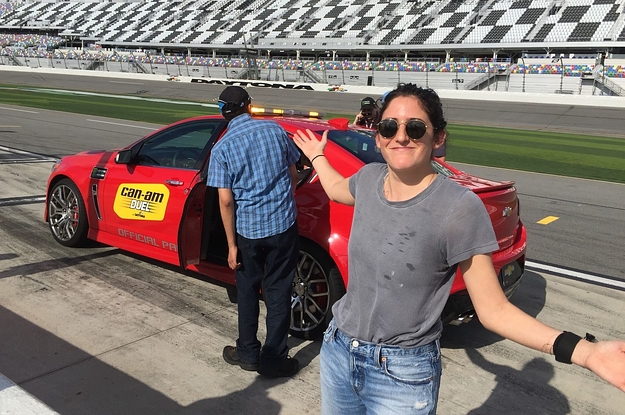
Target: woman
{"type": "Point", "coordinates": [410, 232]}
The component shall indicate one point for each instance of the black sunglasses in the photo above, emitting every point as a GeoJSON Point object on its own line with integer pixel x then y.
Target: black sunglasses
{"type": "Point", "coordinates": [415, 129]}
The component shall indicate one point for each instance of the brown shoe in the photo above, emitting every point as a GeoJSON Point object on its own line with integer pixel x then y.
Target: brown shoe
{"type": "Point", "coordinates": [231, 356]}
{"type": "Point", "coordinates": [286, 368]}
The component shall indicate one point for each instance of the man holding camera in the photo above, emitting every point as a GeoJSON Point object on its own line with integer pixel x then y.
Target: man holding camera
{"type": "Point", "coordinates": [369, 114]}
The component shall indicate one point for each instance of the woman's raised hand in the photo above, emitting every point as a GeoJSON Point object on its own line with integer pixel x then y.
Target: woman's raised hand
{"type": "Point", "coordinates": [309, 144]}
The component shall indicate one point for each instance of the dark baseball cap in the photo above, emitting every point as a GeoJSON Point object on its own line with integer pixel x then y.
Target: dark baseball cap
{"type": "Point", "coordinates": [367, 103]}
{"type": "Point", "coordinates": [232, 99]}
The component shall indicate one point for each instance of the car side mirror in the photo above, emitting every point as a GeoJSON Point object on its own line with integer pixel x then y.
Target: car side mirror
{"type": "Point", "coordinates": [123, 157]}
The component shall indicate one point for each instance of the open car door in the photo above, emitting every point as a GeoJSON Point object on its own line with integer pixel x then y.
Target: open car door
{"type": "Point", "coordinates": [190, 232]}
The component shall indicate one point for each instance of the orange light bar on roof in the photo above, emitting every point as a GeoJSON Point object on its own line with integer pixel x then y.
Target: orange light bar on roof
{"type": "Point", "coordinates": [279, 111]}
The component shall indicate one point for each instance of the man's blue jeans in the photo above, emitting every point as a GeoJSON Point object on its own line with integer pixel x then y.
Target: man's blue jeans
{"type": "Point", "coordinates": [359, 377]}
{"type": "Point", "coordinates": [268, 263]}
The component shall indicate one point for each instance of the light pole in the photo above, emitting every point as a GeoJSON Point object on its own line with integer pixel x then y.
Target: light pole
{"type": "Point", "coordinates": [602, 62]}
{"type": "Point", "coordinates": [149, 56]}
{"type": "Point", "coordinates": [561, 72]}
{"type": "Point", "coordinates": [524, 69]}
{"type": "Point", "coordinates": [427, 69]}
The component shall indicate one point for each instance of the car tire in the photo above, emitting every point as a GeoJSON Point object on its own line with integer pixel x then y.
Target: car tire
{"type": "Point", "coordinates": [67, 215]}
{"type": "Point", "coordinates": [316, 287]}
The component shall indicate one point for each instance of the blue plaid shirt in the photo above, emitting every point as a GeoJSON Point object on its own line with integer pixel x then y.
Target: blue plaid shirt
{"type": "Point", "coordinates": [253, 159]}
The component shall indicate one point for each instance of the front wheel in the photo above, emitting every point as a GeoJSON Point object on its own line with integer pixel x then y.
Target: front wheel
{"type": "Point", "coordinates": [316, 287]}
{"type": "Point", "coordinates": [67, 216]}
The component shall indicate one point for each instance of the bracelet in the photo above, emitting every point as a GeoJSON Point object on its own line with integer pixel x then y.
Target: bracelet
{"type": "Point", "coordinates": [318, 155]}
{"type": "Point", "coordinates": [564, 345]}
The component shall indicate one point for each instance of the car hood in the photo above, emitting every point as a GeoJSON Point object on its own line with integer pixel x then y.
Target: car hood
{"type": "Point", "coordinates": [91, 156]}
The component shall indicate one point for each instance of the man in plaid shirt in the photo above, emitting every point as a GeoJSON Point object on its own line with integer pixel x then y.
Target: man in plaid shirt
{"type": "Point", "coordinates": [253, 167]}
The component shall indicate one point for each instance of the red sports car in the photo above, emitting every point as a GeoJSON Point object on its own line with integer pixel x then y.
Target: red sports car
{"type": "Point", "coordinates": [151, 199]}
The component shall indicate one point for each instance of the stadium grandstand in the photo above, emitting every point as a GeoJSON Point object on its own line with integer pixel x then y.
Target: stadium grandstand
{"type": "Point", "coordinates": [554, 46]}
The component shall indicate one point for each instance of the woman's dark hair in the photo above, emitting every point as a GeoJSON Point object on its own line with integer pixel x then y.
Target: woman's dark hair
{"type": "Point", "coordinates": [429, 100]}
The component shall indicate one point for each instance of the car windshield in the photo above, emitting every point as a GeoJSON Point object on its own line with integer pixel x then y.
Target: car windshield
{"type": "Point", "coordinates": [361, 143]}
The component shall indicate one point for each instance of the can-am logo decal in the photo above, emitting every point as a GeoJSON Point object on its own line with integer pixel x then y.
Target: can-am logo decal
{"type": "Point", "coordinates": [251, 83]}
{"type": "Point", "coordinates": [141, 201]}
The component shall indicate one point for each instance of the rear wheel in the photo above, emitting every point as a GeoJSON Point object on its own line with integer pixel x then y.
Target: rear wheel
{"type": "Point", "coordinates": [67, 216]}
{"type": "Point", "coordinates": [316, 287]}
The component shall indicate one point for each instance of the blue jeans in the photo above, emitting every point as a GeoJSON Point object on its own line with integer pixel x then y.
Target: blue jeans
{"type": "Point", "coordinates": [268, 263]}
{"type": "Point", "coordinates": [359, 377]}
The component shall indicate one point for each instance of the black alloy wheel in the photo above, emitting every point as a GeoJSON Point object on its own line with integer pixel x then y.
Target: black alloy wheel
{"type": "Point", "coordinates": [316, 287]}
{"type": "Point", "coordinates": [67, 216]}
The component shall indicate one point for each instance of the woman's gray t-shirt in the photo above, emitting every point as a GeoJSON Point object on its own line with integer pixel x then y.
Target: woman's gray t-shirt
{"type": "Point", "coordinates": [402, 257]}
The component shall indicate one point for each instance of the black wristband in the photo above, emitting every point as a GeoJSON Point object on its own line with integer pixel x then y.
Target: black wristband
{"type": "Point", "coordinates": [564, 345]}
{"type": "Point", "coordinates": [318, 155]}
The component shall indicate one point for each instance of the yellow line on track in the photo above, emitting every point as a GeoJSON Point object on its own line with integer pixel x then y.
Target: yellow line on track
{"type": "Point", "coordinates": [548, 220]}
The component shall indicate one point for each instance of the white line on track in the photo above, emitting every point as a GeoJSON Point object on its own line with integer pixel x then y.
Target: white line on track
{"type": "Point", "coordinates": [121, 125]}
{"type": "Point", "coordinates": [14, 109]}
{"type": "Point", "coordinates": [95, 94]}
{"type": "Point", "coordinates": [27, 153]}
{"type": "Point", "coordinates": [66, 92]}
{"type": "Point", "coordinates": [18, 401]}
{"type": "Point", "coordinates": [128, 83]}
{"type": "Point", "coordinates": [576, 274]}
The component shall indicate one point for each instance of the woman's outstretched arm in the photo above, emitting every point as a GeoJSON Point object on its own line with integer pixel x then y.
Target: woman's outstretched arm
{"type": "Point", "coordinates": [605, 358]}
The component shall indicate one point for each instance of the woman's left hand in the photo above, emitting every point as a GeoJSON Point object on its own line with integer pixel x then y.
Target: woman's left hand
{"type": "Point", "coordinates": [606, 359]}
{"type": "Point", "coordinates": [309, 144]}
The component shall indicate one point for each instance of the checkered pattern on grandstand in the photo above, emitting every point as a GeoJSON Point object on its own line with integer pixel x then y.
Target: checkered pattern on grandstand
{"type": "Point", "coordinates": [289, 22]}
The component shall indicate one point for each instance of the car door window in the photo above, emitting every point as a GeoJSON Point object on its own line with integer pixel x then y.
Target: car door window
{"type": "Point", "coordinates": [182, 146]}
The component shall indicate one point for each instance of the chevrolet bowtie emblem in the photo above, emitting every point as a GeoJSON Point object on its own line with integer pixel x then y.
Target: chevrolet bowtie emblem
{"type": "Point", "coordinates": [508, 270]}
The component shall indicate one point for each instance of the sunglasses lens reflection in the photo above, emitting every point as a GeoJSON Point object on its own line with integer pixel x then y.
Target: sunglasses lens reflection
{"type": "Point", "coordinates": [388, 128]}
{"type": "Point", "coordinates": [415, 129]}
